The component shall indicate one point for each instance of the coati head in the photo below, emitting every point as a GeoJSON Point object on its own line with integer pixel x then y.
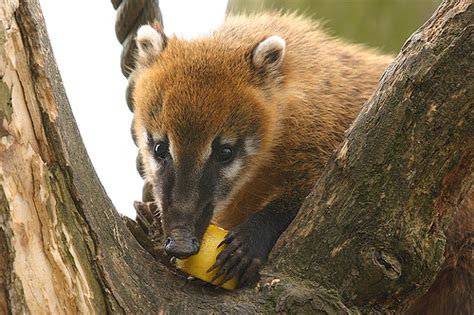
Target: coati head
{"type": "Point", "coordinates": [204, 122]}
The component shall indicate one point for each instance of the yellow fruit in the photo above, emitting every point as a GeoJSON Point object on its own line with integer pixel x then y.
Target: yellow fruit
{"type": "Point", "coordinates": [198, 264]}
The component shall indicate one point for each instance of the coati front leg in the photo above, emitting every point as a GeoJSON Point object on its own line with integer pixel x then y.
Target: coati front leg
{"type": "Point", "coordinates": [249, 243]}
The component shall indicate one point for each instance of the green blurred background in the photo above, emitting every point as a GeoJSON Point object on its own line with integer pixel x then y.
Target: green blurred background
{"type": "Point", "coordinates": [385, 24]}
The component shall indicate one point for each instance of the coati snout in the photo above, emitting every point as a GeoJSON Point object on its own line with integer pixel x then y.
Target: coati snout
{"type": "Point", "coordinates": [181, 244]}
{"type": "Point", "coordinates": [185, 189]}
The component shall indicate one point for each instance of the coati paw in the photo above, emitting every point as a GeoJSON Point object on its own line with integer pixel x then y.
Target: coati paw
{"type": "Point", "coordinates": [240, 258]}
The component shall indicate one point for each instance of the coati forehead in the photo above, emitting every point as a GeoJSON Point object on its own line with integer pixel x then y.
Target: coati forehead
{"type": "Point", "coordinates": [193, 106]}
{"type": "Point", "coordinates": [192, 114]}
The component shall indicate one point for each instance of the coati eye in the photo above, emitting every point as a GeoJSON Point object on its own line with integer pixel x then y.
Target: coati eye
{"type": "Point", "coordinates": [224, 154]}
{"type": "Point", "coordinates": [161, 149]}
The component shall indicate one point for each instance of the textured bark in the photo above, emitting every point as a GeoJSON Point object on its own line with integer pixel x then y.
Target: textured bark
{"type": "Point", "coordinates": [371, 236]}
{"type": "Point", "coordinates": [380, 210]}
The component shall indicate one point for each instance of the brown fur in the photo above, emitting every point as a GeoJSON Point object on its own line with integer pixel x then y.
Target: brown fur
{"type": "Point", "coordinates": [299, 118]}
{"type": "Point", "coordinates": [325, 83]}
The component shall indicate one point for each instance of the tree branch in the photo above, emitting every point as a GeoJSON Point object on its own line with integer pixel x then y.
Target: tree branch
{"type": "Point", "coordinates": [369, 238]}
{"type": "Point", "coordinates": [374, 227]}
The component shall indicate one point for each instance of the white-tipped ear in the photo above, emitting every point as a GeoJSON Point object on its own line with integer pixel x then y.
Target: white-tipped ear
{"type": "Point", "coordinates": [150, 44]}
{"type": "Point", "coordinates": [268, 55]}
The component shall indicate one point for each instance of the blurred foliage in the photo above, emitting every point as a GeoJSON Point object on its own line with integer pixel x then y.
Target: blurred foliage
{"type": "Point", "coordinates": [385, 24]}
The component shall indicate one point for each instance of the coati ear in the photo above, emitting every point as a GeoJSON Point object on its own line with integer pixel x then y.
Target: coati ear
{"type": "Point", "coordinates": [150, 43]}
{"type": "Point", "coordinates": [268, 55]}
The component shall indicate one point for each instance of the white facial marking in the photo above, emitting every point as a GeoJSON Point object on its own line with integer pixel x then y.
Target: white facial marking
{"type": "Point", "coordinates": [172, 148]}
{"type": "Point", "coordinates": [150, 164]}
{"type": "Point", "coordinates": [143, 138]}
{"type": "Point", "coordinates": [250, 146]}
{"type": "Point", "coordinates": [230, 141]}
{"type": "Point", "coordinates": [232, 170]}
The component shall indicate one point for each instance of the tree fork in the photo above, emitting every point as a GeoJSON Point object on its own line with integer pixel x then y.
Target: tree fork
{"type": "Point", "coordinates": [370, 237]}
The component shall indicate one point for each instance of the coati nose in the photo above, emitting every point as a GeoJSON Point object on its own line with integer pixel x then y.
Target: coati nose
{"type": "Point", "coordinates": [181, 248]}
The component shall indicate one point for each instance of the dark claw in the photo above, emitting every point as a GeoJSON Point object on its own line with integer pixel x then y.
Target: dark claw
{"type": "Point", "coordinates": [236, 271]}
{"type": "Point", "coordinates": [226, 252]}
{"type": "Point", "coordinates": [226, 278]}
{"type": "Point", "coordinates": [222, 257]}
{"type": "Point", "coordinates": [229, 265]}
{"type": "Point", "coordinates": [241, 258]}
{"type": "Point", "coordinates": [217, 263]}
{"type": "Point", "coordinates": [148, 218]}
{"type": "Point", "coordinates": [229, 237]}
{"type": "Point", "coordinates": [145, 210]}
{"type": "Point", "coordinates": [219, 273]}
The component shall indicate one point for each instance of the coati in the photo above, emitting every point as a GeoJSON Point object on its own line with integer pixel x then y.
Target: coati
{"type": "Point", "coordinates": [236, 127]}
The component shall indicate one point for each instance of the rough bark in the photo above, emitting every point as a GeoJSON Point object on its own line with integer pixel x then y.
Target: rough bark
{"type": "Point", "coordinates": [370, 238]}
{"type": "Point", "coordinates": [380, 210]}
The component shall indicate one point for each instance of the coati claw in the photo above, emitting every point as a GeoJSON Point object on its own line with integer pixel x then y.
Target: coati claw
{"type": "Point", "coordinates": [240, 259]}
{"type": "Point", "coordinates": [229, 237]}
{"type": "Point", "coordinates": [148, 215]}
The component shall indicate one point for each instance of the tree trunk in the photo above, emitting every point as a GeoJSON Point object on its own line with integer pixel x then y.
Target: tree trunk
{"type": "Point", "coordinates": [370, 237]}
